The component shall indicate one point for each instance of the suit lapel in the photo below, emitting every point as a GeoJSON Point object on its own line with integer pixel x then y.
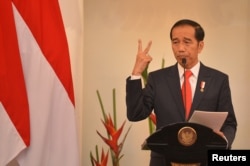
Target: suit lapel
{"type": "Point", "coordinates": [175, 89]}
{"type": "Point", "coordinates": [204, 76]}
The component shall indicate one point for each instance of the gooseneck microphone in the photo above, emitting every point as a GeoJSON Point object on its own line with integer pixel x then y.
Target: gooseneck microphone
{"type": "Point", "coordinates": [184, 85]}
{"type": "Point", "coordinates": [184, 61]}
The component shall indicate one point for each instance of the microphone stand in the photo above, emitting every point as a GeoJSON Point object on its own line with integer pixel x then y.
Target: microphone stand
{"type": "Point", "coordinates": [184, 61]}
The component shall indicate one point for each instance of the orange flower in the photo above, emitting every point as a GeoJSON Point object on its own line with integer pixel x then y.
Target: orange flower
{"type": "Point", "coordinates": [153, 118]}
{"type": "Point", "coordinates": [104, 159]}
{"type": "Point", "coordinates": [113, 135]}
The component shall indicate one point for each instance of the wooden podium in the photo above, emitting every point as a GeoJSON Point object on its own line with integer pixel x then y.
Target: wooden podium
{"type": "Point", "coordinates": [184, 144]}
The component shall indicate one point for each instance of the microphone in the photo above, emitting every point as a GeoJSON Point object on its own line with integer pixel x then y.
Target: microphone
{"type": "Point", "coordinates": [184, 61]}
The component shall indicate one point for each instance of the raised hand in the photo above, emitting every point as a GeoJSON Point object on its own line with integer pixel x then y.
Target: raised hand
{"type": "Point", "coordinates": [142, 59]}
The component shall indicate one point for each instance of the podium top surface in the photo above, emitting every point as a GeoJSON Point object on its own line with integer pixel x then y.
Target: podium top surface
{"type": "Point", "coordinates": [184, 141]}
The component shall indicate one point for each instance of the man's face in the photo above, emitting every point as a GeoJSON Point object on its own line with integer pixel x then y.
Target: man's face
{"type": "Point", "coordinates": [185, 45]}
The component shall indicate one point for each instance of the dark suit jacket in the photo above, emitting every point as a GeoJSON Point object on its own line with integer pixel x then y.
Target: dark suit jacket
{"type": "Point", "coordinates": [163, 95]}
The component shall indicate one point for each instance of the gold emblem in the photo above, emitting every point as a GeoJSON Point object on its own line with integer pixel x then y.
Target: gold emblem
{"type": "Point", "coordinates": [181, 164]}
{"type": "Point", "coordinates": [187, 136]}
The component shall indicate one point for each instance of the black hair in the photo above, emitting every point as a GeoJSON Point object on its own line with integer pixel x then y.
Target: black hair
{"type": "Point", "coordinates": [199, 32]}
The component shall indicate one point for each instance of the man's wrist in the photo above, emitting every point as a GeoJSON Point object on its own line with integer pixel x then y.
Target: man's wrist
{"type": "Point", "coordinates": [135, 77]}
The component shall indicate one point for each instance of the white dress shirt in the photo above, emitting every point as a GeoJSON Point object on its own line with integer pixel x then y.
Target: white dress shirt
{"type": "Point", "coordinates": [193, 79]}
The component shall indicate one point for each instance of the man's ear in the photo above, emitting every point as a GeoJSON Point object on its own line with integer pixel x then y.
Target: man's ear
{"type": "Point", "coordinates": [200, 46]}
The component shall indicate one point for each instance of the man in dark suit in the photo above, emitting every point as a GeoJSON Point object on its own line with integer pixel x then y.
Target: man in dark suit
{"type": "Point", "coordinates": [162, 93]}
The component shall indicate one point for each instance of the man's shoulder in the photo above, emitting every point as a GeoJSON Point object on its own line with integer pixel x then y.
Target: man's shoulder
{"type": "Point", "coordinates": [165, 70]}
{"type": "Point", "coordinates": [212, 71]}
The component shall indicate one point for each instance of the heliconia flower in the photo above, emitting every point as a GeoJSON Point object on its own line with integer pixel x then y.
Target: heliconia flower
{"type": "Point", "coordinates": [104, 159]}
{"type": "Point", "coordinates": [152, 116]}
{"type": "Point", "coordinates": [114, 135]}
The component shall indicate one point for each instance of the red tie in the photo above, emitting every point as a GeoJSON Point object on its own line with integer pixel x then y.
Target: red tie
{"type": "Point", "coordinates": [187, 92]}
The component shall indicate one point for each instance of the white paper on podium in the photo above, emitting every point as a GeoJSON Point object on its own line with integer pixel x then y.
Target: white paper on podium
{"type": "Point", "coordinates": [213, 120]}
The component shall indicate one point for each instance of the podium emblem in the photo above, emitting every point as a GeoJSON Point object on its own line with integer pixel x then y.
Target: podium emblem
{"type": "Point", "coordinates": [187, 136]}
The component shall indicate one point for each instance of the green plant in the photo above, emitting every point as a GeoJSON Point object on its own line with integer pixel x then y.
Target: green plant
{"type": "Point", "coordinates": [113, 135]}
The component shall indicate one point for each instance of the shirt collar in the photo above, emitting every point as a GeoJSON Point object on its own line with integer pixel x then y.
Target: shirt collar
{"type": "Point", "coordinates": [195, 70]}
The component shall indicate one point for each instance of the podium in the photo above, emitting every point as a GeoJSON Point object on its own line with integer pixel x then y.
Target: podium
{"type": "Point", "coordinates": [184, 143]}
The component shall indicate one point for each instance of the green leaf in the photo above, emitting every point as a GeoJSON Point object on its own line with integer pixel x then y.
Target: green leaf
{"type": "Point", "coordinates": [145, 75]}
{"type": "Point", "coordinates": [102, 107]}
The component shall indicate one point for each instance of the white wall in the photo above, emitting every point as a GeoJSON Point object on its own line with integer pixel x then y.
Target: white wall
{"type": "Point", "coordinates": [111, 30]}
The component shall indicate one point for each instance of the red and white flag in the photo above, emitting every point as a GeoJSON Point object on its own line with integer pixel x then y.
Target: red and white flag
{"type": "Point", "coordinates": [14, 109]}
{"type": "Point", "coordinates": [37, 117]}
